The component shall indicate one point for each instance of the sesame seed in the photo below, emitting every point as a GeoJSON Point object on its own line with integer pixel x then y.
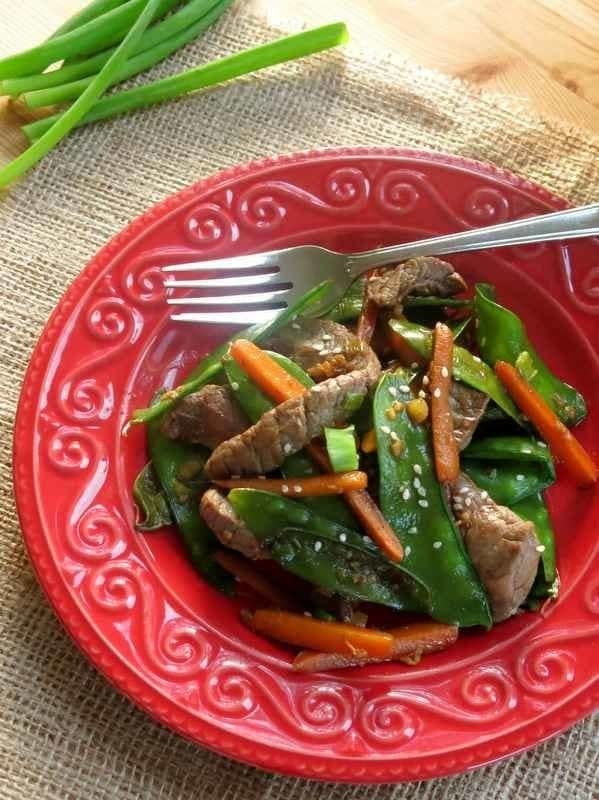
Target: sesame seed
{"type": "Point", "coordinates": [477, 359]}
{"type": "Point", "coordinates": [285, 488]}
{"type": "Point", "coordinates": [385, 429]}
{"type": "Point", "coordinates": [413, 529]}
{"type": "Point", "coordinates": [404, 387]}
{"type": "Point", "coordinates": [407, 550]}
{"type": "Point", "coordinates": [425, 380]}
{"type": "Point", "coordinates": [393, 391]}
{"type": "Point", "coordinates": [416, 483]}
{"type": "Point", "coordinates": [526, 450]}
{"type": "Point", "coordinates": [235, 386]}
{"type": "Point", "coordinates": [318, 546]}
{"type": "Point", "coordinates": [437, 545]}
{"type": "Point", "coordinates": [417, 469]}
{"type": "Point", "coordinates": [287, 448]}
{"type": "Point", "coordinates": [421, 491]}
{"type": "Point", "coordinates": [307, 614]}
{"type": "Point", "coordinates": [296, 326]}
{"type": "Point", "coordinates": [366, 539]}
{"type": "Point", "coordinates": [445, 372]}
{"type": "Point", "coordinates": [464, 490]}
{"type": "Point", "coordinates": [423, 503]}
{"type": "Point", "coordinates": [541, 444]}
{"type": "Point", "coordinates": [342, 537]}
{"type": "Point", "coordinates": [422, 394]}
{"type": "Point", "coordinates": [326, 337]}
{"type": "Point", "coordinates": [414, 365]}
{"type": "Point", "coordinates": [394, 436]}
{"type": "Point", "coordinates": [468, 501]}
{"type": "Point", "coordinates": [484, 495]}
{"type": "Point", "coordinates": [406, 494]}
{"type": "Point", "coordinates": [297, 489]}
{"type": "Point", "coordinates": [437, 393]}
{"type": "Point", "coordinates": [540, 548]}
{"type": "Point", "coordinates": [519, 477]}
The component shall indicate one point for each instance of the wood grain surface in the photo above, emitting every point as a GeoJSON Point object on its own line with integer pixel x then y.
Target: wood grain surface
{"type": "Point", "coordinates": [545, 50]}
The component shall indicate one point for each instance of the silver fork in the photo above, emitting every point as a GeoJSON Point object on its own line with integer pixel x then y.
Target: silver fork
{"type": "Point", "coordinates": [265, 283]}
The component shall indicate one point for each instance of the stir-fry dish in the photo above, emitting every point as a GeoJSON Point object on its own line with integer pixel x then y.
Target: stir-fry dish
{"type": "Point", "coordinates": [369, 479]}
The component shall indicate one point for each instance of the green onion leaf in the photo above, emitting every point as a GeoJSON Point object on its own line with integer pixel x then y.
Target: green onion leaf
{"type": "Point", "coordinates": [341, 447]}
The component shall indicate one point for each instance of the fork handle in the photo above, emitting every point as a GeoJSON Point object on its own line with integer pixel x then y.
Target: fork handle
{"type": "Point", "coordinates": [569, 224]}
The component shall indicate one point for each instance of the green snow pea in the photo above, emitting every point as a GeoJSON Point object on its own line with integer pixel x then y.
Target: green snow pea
{"type": "Point", "coordinates": [210, 367]}
{"type": "Point", "coordinates": [466, 367]}
{"type": "Point", "coordinates": [154, 512]}
{"type": "Point", "coordinates": [254, 404]}
{"type": "Point", "coordinates": [179, 468]}
{"type": "Point", "coordinates": [326, 553]}
{"type": "Point", "coordinates": [501, 336]}
{"type": "Point", "coordinates": [533, 508]}
{"type": "Point", "coordinates": [413, 502]}
{"type": "Point", "coordinates": [510, 468]}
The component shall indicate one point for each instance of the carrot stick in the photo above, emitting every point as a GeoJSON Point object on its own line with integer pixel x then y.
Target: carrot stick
{"type": "Point", "coordinates": [563, 445]}
{"type": "Point", "coordinates": [245, 572]}
{"type": "Point", "coordinates": [409, 643]}
{"type": "Point", "coordinates": [445, 448]}
{"type": "Point", "coordinates": [264, 371]}
{"type": "Point", "coordinates": [280, 386]}
{"type": "Point", "coordinates": [329, 637]}
{"type": "Point", "coordinates": [315, 486]}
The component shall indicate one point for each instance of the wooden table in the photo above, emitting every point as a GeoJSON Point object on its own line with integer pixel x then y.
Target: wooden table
{"type": "Point", "coordinates": [546, 50]}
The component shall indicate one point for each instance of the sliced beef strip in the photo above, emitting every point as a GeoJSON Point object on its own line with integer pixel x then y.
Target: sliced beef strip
{"type": "Point", "coordinates": [207, 417]}
{"type": "Point", "coordinates": [310, 342]}
{"type": "Point", "coordinates": [423, 276]}
{"type": "Point", "coordinates": [230, 530]}
{"type": "Point", "coordinates": [501, 545]}
{"type": "Point", "coordinates": [467, 407]}
{"type": "Point", "coordinates": [289, 427]}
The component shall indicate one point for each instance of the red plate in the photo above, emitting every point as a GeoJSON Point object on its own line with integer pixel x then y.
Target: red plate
{"type": "Point", "coordinates": [132, 602]}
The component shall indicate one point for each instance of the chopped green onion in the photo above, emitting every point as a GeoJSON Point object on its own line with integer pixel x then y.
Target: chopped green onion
{"type": "Point", "coordinates": [341, 447]}
{"type": "Point", "coordinates": [70, 118]}
{"type": "Point", "coordinates": [142, 61]}
{"type": "Point", "coordinates": [95, 35]}
{"type": "Point", "coordinates": [257, 58]}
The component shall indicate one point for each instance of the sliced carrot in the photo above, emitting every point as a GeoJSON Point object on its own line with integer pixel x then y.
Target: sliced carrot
{"type": "Point", "coordinates": [244, 571]}
{"type": "Point", "coordinates": [409, 644]}
{"type": "Point", "coordinates": [277, 384]}
{"type": "Point", "coordinates": [403, 350]}
{"type": "Point", "coordinates": [329, 637]}
{"type": "Point", "coordinates": [315, 486]}
{"type": "Point", "coordinates": [264, 371]}
{"type": "Point", "coordinates": [563, 445]}
{"type": "Point", "coordinates": [445, 447]}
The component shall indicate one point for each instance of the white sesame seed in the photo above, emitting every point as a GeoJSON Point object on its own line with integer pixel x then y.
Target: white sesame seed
{"type": "Point", "coordinates": [413, 529]}
{"type": "Point", "coordinates": [414, 365]}
{"type": "Point", "coordinates": [326, 337]}
{"type": "Point", "coordinates": [285, 488]}
{"type": "Point", "coordinates": [416, 483]}
{"type": "Point", "coordinates": [406, 494]}
{"type": "Point", "coordinates": [417, 469]}
{"type": "Point", "coordinates": [297, 489]}
{"type": "Point", "coordinates": [484, 495]}
{"type": "Point", "coordinates": [318, 546]}
{"type": "Point", "coordinates": [437, 545]}
{"type": "Point", "coordinates": [394, 436]}
{"type": "Point", "coordinates": [425, 380]}
{"type": "Point", "coordinates": [318, 346]}
{"type": "Point", "coordinates": [393, 391]}
{"type": "Point", "coordinates": [540, 548]}
{"type": "Point", "coordinates": [423, 503]}
{"type": "Point", "coordinates": [445, 372]}
{"type": "Point", "coordinates": [235, 386]}
{"type": "Point", "coordinates": [421, 394]}
{"type": "Point", "coordinates": [366, 539]}
{"type": "Point", "coordinates": [342, 537]}
{"type": "Point", "coordinates": [541, 444]}
{"type": "Point", "coordinates": [385, 429]}
{"type": "Point", "coordinates": [526, 450]}
{"type": "Point", "coordinates": [307, 614]}
{"type": "Point", "coordinates": [464, 490]}
{"type": "Point", "coordinates": [287, 448]}
{"type": "Point", "coordinates": [437, 392]}
{"type": "Point", "coordinates": [404, 387]}
{"type": "Point", "coordinates": [519, 477]}
{"type": "Point", "coordinates": [421, 491]}
{"type": "Point", "coordinates": [477, 359]}
{"type": "Point", "coordinates": [468, 501]}
{"type": "Point", "coordinates": [407, 550]}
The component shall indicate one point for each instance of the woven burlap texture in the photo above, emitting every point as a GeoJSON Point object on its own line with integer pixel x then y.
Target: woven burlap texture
{"type": "Point", "coordinates": [64, 732]}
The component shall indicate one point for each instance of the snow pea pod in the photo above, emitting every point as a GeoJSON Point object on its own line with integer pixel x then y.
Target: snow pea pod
{"type": "Point", "coordinates": [501, 336]}
{"type": "Point", "coordinates": [179, 467]}
{"type": "Point", "coordinates": [254, 404]}
{"type": "Point", "coordinates": [466, 367]}
{"type": "Point", "coordinates": [413, 502]}
{"type": "Point", "coordinates": [326, 553]}
{"type": "Point", "coordinates": [154, 512]}
{"type": "Point", "coordinates": [534, 508]}
{"type": "Point", "coordinates": [510, 468]}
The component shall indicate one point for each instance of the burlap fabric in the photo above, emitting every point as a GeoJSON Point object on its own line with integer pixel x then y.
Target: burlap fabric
{"type": "Point", "coordinates": [64, 732]}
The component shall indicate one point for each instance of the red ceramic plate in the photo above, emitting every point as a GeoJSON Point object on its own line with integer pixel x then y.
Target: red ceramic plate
{"type": "Point", "coordinates": [132, 602]}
